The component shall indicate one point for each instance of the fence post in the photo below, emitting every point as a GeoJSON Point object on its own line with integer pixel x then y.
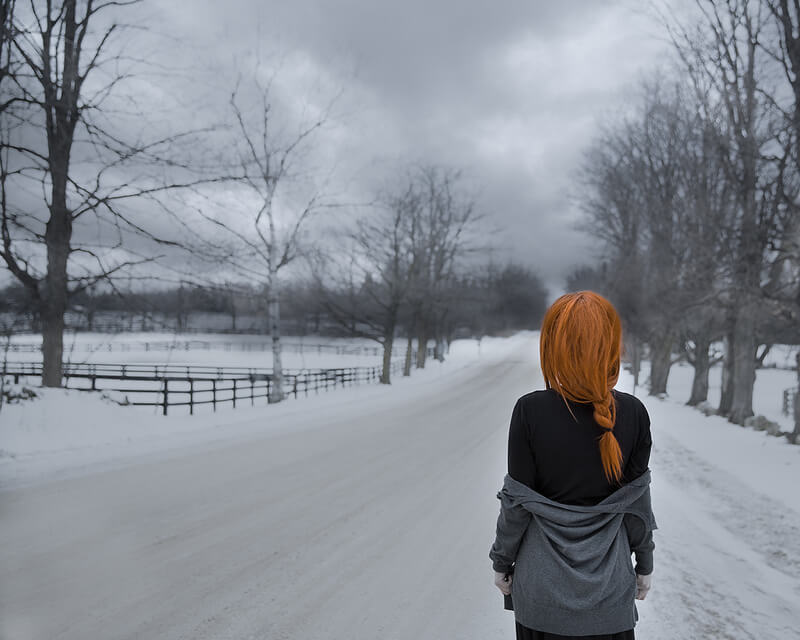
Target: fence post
{"type": "Point", "coordinates": [796, 433]}
{"type": "Point", "coordinates": [214, 393]}
{"type": "Point", "coordinates": [166, 392]}
{"type": "Point", "coordinates": [191, 396]}
{"type": "Point", "coordinates": [252, 390]}
{"type": "Point", "coordinates": [234, 393]}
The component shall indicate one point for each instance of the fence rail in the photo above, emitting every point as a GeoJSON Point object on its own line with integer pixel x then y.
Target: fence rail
{"type": "Point", "coordinates": [209, 345]}
{"type": "Point", "coordinates": [167, 386]}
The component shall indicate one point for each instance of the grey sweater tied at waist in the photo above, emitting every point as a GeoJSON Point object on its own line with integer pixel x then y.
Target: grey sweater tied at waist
{"type": "Point", "coordinates": [572, 563]}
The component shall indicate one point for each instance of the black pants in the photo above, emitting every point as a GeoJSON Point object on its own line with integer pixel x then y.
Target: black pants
{"type": "Point", "coordinates": [523, 633]}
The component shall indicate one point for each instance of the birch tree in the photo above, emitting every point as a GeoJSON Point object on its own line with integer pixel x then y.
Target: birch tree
{"type": "Point", "coordinates": [273, 231]}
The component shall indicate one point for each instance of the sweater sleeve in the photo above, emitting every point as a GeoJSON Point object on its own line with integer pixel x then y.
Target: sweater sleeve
{"type": "Point", "coordinates": [639, 459]}
{"type": "Point", "coordinates": [640, 536]}
{"type": "Point", "coordinates": [641, 542]}
{"type": "Point", "coordinates": [513, 519]}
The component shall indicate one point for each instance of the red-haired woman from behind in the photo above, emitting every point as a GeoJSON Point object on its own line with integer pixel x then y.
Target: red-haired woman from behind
{"type": "Point", "coordinates": [575, 503]}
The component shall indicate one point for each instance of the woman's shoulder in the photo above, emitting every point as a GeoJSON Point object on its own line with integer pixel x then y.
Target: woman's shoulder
{"type": "Point", "coordinates": [537, 397]}
{"type": "Point", "coordinates": [531, 396]}
{"type": "Point", "coordinates": [630, 400]}
{"type": "Point", "coordinates": [543, 395]}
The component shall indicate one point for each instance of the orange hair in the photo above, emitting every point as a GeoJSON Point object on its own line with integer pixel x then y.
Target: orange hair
{"type": "Point", "coordinates": [579, 349]}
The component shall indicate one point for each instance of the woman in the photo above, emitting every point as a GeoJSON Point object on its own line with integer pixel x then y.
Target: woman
{"type": "Point", "coordinates": [576, 500]}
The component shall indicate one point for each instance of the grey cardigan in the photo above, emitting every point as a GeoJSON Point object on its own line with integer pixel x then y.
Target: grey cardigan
{"type": "Point", "coordinates": [571, 563]}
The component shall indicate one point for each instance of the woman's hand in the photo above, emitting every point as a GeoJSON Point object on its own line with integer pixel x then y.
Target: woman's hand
{"type": "Point", "coordinates": [643, 585]}
{"type": "Point", "coordinates": [503, 582]}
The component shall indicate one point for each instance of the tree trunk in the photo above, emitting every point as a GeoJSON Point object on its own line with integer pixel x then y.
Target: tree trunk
{"type": "Point", "coordinates": [422, 345]}
{"type": "Point", "coordinates": [726, 390]}
{"type": "Point", "coordinates": [701, 365]}
{"type": "Point", "coordinates": [632, 355]}
{"type": "Point", "coordinates": [744, 355]}
{"type": "Point", "coordinates": [439, 348]}
{"type": "Point", "coordinates": [52, 340]}
{"type": "Point", "coordinates": [273, 310]}
{"type": "Point", "coordinates": [388, 344]}
{"type": "Point", "coordinates": [409, 353]}
{"type": "Point", "coordinates": [660, 362]}
{"type": "Point", "coordinates": [410, 346]}
{"type": "Point", "coordinates": [637, 361]}
{"type": "Point", "coordinates": [274, 317]}
{"type": "Point", "coordinates": [54, 301]}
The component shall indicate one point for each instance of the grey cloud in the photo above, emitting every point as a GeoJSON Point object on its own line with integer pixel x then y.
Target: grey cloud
{"type": "Point", "coordinates": [507, 90]}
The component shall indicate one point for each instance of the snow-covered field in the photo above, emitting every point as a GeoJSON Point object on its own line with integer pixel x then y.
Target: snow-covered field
{"type": "Point", "coordinates": [363, 513]}
{"type": "Point", "coordinates": [65, 431]}
{"type": "Point", "coordinates": [221, 350]}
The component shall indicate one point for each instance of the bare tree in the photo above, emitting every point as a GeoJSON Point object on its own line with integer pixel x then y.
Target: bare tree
{"type": "Point", "coordinates": [63, 140]}
{"type": "Point", "coordinates": [660, 198]}
{"type": "Point", "coordinates": [272, 235]}
{"type": "Point", "coordinates": [723, 52]}
{"type": "Point", "coordinates": [364, 286]}
{"type": "Point", "coordinates": [445, 235]}
{"type": "Point", "coordinates": [784, 18]}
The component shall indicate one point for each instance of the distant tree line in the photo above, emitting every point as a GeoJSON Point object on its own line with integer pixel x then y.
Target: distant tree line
{"type": "Point", "coordinates": [488, 300]}
{"type": "Point", "coordinates": [693, 195]}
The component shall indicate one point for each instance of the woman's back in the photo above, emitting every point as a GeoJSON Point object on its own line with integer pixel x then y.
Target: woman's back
{"type": "Point", "coordinates": [558, 457]}
{"type": "Point", "coordinates": [573, 445]}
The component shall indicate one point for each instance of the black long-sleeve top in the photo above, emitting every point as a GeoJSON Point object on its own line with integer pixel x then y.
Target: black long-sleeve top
{"type": "Point", "coordinates": [558, 455]}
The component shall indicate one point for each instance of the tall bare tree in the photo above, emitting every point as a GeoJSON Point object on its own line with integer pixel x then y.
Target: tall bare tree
{"type": "Point", "coordinates": [723, 51]}
{"type": "Point", "coordinates": [272, 234]}
{"type": "Point", "coordinates": [60, 139]}
{"type": "Point", "coordinates": [445, 235]}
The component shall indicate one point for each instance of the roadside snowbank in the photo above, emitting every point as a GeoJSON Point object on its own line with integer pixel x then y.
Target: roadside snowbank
{"type": "Point", "coordinates": [767, 464]}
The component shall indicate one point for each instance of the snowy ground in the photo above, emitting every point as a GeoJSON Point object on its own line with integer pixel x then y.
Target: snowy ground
{"type": "Point", "coordinates": [65, 432]}
{"type": "Point", "coordinates": [368, 513]}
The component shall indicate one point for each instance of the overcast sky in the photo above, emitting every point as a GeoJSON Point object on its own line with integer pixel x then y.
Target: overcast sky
{"type": "Point", "coordinates": [510, 92]}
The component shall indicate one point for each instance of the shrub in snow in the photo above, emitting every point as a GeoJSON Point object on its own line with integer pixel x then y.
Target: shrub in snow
{"type": "Point", "coordinates": [706, 408]}
{"type": "Point", "coordinates": [762, 423]}
{"type": "Point", "coordinates": [115, 397]}
{"type": "Point", "coordinates": [16, 393]}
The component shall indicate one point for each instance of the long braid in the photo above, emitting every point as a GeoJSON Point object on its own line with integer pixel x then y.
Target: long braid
{"type": "Point", "coordinates": [610, 452]}
{"type": "Point", "coordinates": [580, 347]}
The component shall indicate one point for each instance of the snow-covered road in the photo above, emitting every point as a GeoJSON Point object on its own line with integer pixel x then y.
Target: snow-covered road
{"type": "Point", "coordinates": [373, 523]}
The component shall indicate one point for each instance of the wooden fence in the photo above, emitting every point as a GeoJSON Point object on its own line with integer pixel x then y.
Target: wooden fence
{"type": "Point", "coordinates": [190, 385]}
{"type": "Point", "coordinates": [788, 401]}
{"type": "Point", "coordinates": [209, 345]}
